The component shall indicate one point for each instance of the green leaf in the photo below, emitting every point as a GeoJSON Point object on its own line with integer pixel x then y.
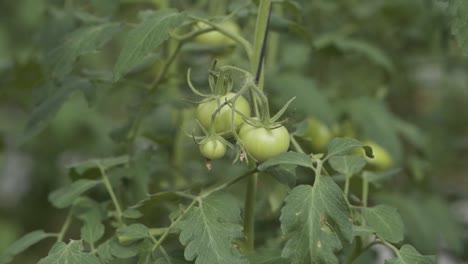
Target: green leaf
{"type": "Point", "coordinates": [375, 123]}
{"type": "Point", "coordinates": [81, 168]}
{"type": "Point", "coordinates": [84, 40]}
{"type": "Point", "coordinates": [342, 146]}
{"type": "Point", "coordinates": [104, 252]}
{"type": "Point", "coordinates": [132, 214]}
{"type": "Point", "coordinates": [65, 196]}
{"type": "Point", "coordinates": [145, 38]}
{"type": "Point", "coordinates": [284, 173]}
{"type": "Point", "coordinates": [362, 231]}
{"type": "Point", "coordinates": [132, 233]}
{"type": "Point", "coordinates": [315, 218]}
{"type": "Point", "coordinates": [347, 165]}
{"type": "Point", "coordinates": [309, 99]}
{"type": "Point", "coordinates": [270, 256]}
{"type": "Point", "coordinates": [92, 230]}
{"type": "Point", "coordinates": [386, 221]}
{"type": "Point", "coordinates": [210, 230]}
{"type": "Point", "coordinates": [347, 45]}
{"type": "Point", "coordinates": [22, 244]}
{"type": "Point", "coordinates": [123, 251]}
{"type": "Point", "coordinates": [291, 157]}
{"type": "Point", "coordinates": [409, 255]}
{"type": "Point", "coordinates": [459, 23]}
{"type": "Point", "coordinates": [378, 179]}
{"type": "Point", "coordinates": [70, 254]}
{"type": "Point", "coordinates": [56, 95]}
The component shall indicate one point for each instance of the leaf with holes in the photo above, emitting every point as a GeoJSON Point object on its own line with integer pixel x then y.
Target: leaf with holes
{"type": "Point", "coordinates": [315, 218]}
{"type": "Point", "coordinates": [210, 230]}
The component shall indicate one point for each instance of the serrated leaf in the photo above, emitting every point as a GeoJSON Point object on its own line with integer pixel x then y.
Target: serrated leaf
{"type": "Point", "coordinates": [132, 214]}
{"type": "Point", "coordinates": [210, 230]}
{"type": "Point", "coordinates": [84, 40]}
{"type": "Point", "coordinates": [315, 218]}
{"type": "Point", "coordinates": [362, 230]}
{"type": "Point", "coordinates": [22, 244]}
{"type": "Point", "coordinates": [65, 196]}
{"type": "Point", "coordinates": [132, 233]}
{"type": "Point", "coordinates": [366, 49]}
{"type": "Point", "coordinates": [342, 146]}
{"type": "Point", "coordinates": [460, 23]}
{"type": "Point", "coordinates": [270, 256]}
{"type": "Point", "coordinates": [309, 99]}
{"type": "Point", "coordinates": [145, 38]}
{"type": "Point", "coordinates": [295, 158]}
{"type": "Point", "coordinates": [91, 214]}
{"type": "Point", "coordinates": [81, 168]}
{"type": "Point", "coordinates": [386, 221]}
{"type": "Point", "coordinates": [70, 254]}
{"type": "Point", "coordinates": [123, 251]}
{"type": "Point", "coordinates": [57, 95]}
{"type": "Point", "coordinates": [347, 165]}
{"type": "Point", "coordinates": [92, 230]}
{"type": "Point", "coordinates": [379, 178]}
{"type": "Point", "coordinates": [104, 252]}
{"type": "Point", "coordinates": [284, 173]}
{"type": "Point", "coordinates": [409, 255]}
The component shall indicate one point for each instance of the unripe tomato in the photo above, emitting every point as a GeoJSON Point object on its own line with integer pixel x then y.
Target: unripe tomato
{"type": "Point", "coordinates": [318, 133]}
{"type": "Point", "coordinates": [263, 143]}
{"type": "Point", "coordinates": [382, 159]}
{"type": "Point", "coordinates": [215, 37]}
{"type": "Point", "coordinates": [213, 149]}
{"type": "Point", "coordinates": [223, 119]}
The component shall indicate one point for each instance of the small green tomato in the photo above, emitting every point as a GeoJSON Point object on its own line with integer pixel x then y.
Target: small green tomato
{"type": "Point", "coordinates": [213, 149]}
{"type": "Point", "coordinates": [318, 133]}
{"type": "Point", "coordinates": [223, 119]}
{"type": "Point", "coordinates": [382, 159]}
{"type": "Point", "coordinates": [215, 37]}
{"type": "Point", "coordinates": [264, 143]}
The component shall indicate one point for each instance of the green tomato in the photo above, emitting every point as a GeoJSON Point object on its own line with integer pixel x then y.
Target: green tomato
{"type": "Point", "coordinates": [213, 149]}
{"type": "Point", "coordinates": [263, 143]}
{"type": "Point", "coordinates": [382, 159]}
{"type": "Point", "coordinates": [223, 119]}
{"type": "Point", "coordinates": [318, 133]}
{"type": "Point", "coordinates": [215, 37]}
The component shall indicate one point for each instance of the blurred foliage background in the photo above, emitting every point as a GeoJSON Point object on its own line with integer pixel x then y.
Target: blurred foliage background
{"type": "Point", "coordinates": [390, 69]}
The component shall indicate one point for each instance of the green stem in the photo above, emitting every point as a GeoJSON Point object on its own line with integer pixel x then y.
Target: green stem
{"type": "Point", "coordinates": [296, 145]}
{"type": "Point", "coordinates": [356, 251]}
{"type": "Point", "coordinates": [65, 226]}
{"type": "Point", "coordinates": [346, 187]}
{"type": "Point", "coordinates": [226, 184]}
{"type": "Point", "coordinates": [249, 215]}
{"type": "Point", "coordinates": [392, 247]}
{"type": "Point", "coordinates": [365, 190]}
{"type": "Point", "coordinates": [111, 193]}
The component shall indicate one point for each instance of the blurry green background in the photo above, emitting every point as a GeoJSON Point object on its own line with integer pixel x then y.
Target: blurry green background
{"type": "Point", "coordinates": [392, 68]}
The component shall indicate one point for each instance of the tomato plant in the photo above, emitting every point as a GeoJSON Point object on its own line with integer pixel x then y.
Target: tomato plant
{"type": "Point", "coordinates": [221, 132]}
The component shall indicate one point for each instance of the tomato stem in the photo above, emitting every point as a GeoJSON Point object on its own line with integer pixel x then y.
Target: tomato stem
{"type": "Point", "coordinates": [249, 212]}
